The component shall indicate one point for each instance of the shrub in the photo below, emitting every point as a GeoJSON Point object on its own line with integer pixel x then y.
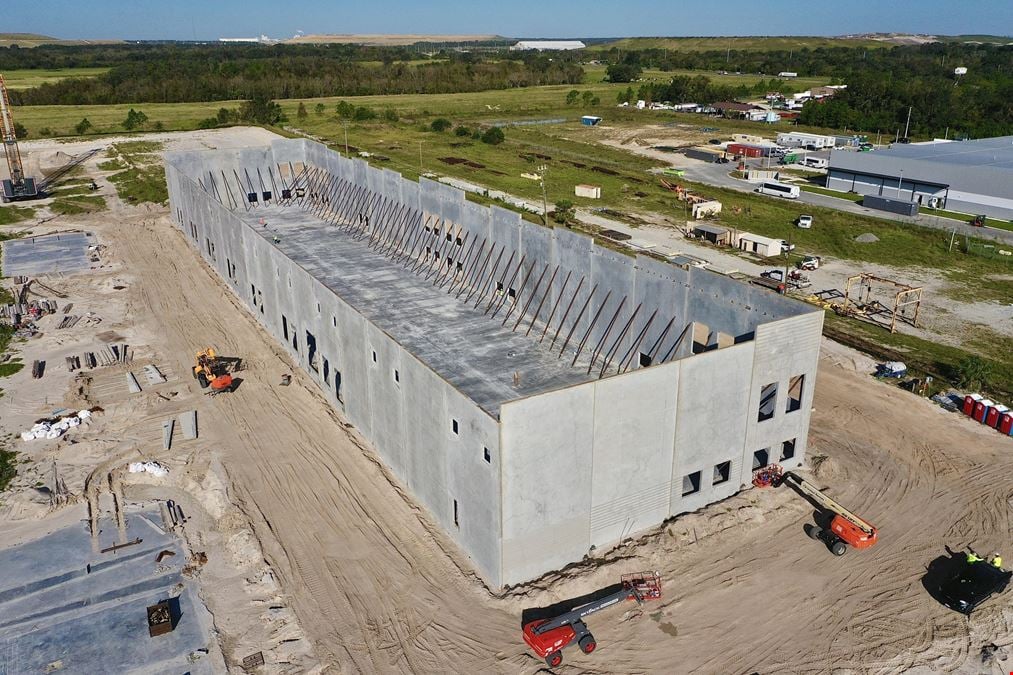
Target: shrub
{"type": "Point", "coordinates": [493, 136]}
{"type": "Point", "coordinates": [440, 124]}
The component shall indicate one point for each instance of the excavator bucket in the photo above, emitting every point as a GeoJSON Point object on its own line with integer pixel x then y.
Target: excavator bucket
{"type": "Point", "coordinates": [221, 383]}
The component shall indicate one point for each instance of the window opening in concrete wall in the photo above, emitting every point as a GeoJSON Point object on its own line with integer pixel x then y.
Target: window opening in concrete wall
{"type": "Point", "coordinates": [318, 308]}
{"type": "Point", "coordinates": [512, 292]}
{"type": "Point", "coordinates": [267, 196]}
{"type": "Point", "coordinates": [645, 360]}
{"type": "Point", "coordinates": [397, 376]}
{"type": "Point", "coordinates": [487, 455]}
{"type": "Point", "coordinates": [253, 293]}
{"type": "Point", "coordinates": [295, 340]}
{"type": "Point", "coordinates": [795, 386]}
{"type": "Point", "coordinates": [722, 472]}
{"type": "Point", "coordinates": [327, 370]}
{"type": "Point", "coordinates": [450, 237]}
{"type": "Point", "coordinates": [251, 197]}
{"type": "Point", "coordinates": [284, 326]}
{"type": "Point", "coordinates": [768, 399]}
{"type": "Point", "coordinates": [311, 351]}
{"type": "Point", "coordinates": [459, 242]}
{"type": "Point", "coordinates": [691, 483]}
{"type": "Point", "coordinates": [334, 321]}
{"type": "Point", "coordinates": [286, 193]}
{"type": "Point", "coordinates": [761, 458]}
{"type": "Point", "coordinates": [456, 521]}
{"type": "Point", "coordinates": [454, 426]}
{"type": "Point", "coordinates": [374, 356]}
{"type": "Point", "coordinates": [788, 449]}
{"type": "Point", "coordinates": [337, 386]}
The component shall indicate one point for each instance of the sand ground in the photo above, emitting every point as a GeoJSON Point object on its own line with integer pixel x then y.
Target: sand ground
{"type": "Point", "coordinates": [319, 557]}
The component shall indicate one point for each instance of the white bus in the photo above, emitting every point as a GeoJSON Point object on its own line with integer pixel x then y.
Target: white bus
{"type": "Point", "coordinates": [778, 190]}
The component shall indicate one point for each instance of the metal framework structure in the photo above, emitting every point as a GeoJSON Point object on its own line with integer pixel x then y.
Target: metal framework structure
{"type": "Point", "coordinates": [18, 186]}
{"type": "Point", "coordinates": [864, 304]}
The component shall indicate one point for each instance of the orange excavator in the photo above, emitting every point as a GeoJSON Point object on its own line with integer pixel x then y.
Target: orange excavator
{"type": "Point", "coordinates": [211, 371]}
{"type": "Point", "coordinates": [846, 528]}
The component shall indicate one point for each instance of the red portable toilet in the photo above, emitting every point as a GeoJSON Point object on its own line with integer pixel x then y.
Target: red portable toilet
{"type": "Point", "coordinates": [993, 415]}
{"type": "Point", "coordinates": [969, 402]}
{"type": "Point", "coordinates": [981, 409]}
{"type": "Point", "coordinates": [1006, 424]}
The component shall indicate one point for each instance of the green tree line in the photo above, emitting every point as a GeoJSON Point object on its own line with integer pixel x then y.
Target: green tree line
{"type": "Point", "coordinates": [193, 78]}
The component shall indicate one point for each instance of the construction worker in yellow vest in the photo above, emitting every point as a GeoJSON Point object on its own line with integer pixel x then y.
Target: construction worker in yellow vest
{"type": "Point", "coordinates": [996, 560]}
{"type": "Point", "coordinates": [973, 557]}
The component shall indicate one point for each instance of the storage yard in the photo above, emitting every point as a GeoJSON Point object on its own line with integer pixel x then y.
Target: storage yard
{"type": "Point", "coordinates": [289, 510]}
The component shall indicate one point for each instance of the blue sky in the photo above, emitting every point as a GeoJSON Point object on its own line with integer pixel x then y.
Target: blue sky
{"type": "Point", "coordinates": [209, 19]}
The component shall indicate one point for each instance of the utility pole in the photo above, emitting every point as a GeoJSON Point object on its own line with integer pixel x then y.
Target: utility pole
{"type": "Point", "coordinates": [344, 123]}
{"type": "Point", "coordinates": [545, 202]}
{"type": "Point", "coordinates": [907, 125]}
{"type": "Point", "coordinates": [420, 159]}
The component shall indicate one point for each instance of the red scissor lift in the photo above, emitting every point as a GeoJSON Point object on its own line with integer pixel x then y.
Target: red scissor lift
{"type": "Point", "coordinates": [548, 637]}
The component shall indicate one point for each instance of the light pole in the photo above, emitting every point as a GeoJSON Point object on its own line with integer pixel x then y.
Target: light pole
{"type": "Point", "coordinates": [344, 123]}
{"type": "Point", "coordinates": [420, 159]}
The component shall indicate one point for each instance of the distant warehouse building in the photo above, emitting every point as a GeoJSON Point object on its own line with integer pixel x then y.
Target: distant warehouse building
{"type": "Point", "coordinates": [547, 45]}
{"type": "Point", "coordinates": [974, 177]}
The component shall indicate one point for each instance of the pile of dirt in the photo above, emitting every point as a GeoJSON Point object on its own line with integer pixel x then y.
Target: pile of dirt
{"type": "Point", "coordinates": [867, 238]}
{"type": "Point", "coordinates": [461, 160]}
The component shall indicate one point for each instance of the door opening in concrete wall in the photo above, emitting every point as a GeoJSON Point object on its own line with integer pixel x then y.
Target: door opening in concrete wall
{"type": "Point", "coordinates": [768, 399]}
{"type": "Point", "coordinates": [311, 351]}
{"type": "Point", "coordinates": [788, 449]}
{"type": "Point", "coordinates": [795, 387]}
{"type": "Point", "coordinates": [337, 386]}
{"type": "Point", "coordinates": [487, 455]}
{"type": "Point", "coordinates": [327, 370]}
{"type": "Point", "coordinates": [284, 326]}
{"type": "Point", "coordinates": [691, 483]}
{"type": "Point", "coordinates": [645, 360]}
{"type": "Point", "coordinates": [761, 458]}
{"type": "Point", "coordinates": [457, 523]}
{"type": "Point", "coordinates": [722, 472]}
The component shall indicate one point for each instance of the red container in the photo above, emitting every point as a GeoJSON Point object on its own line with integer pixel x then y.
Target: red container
{"type": "Point", "coordinates": [1006, 424]}
{"type": "Point", "coordinates": [968, 405]}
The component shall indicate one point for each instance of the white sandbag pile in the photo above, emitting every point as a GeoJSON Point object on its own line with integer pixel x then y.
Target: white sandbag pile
{"type": "Point", "coordinates": [51, 430]}
{"type": "Point", "coordinates": [154, 468]}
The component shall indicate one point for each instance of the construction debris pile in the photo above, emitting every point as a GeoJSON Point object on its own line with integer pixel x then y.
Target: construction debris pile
{"type": "Point", "coordinates": [702, 207]}
{"type": "Point", "coordinates": [50, 430]}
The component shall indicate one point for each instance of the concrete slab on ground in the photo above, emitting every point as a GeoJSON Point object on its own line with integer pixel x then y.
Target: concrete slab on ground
{"type": "Point", "coordinates": [63, 603]}
{"type": "Point", "coordinates": [31, 256]}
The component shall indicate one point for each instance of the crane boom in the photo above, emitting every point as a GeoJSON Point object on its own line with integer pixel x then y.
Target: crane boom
{"type": "Point", "coordinates": [10, 138]}
{"type": "Point", "coordinates": [827, 503]}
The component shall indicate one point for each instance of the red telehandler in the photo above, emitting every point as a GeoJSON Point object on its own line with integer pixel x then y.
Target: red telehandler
{"type": "Point", "coordinates": [548, 637]}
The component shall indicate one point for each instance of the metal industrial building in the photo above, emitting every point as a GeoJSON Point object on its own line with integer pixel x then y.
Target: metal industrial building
{"type": "Point", "coordinates": [539, 394]}
{"type": "Point", "coordinates": [547, 45]}
{"type": "Point", "coordinates": [974, 177]}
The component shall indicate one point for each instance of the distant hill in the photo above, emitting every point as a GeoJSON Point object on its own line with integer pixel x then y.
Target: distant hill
{"type": "Point", "coordinates": [381, 40]}
{"type": "Point", "coordinates": [744, 43]}
{"type": "Point", "coordinates": [34, 40]}
{"type": "Point", "coordinates": [764, 43]}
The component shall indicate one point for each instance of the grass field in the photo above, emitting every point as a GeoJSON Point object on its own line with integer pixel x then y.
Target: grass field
{"type": "Point", "coordinates": [596, 73]}
{"type": "Point", "coordinates": [703, 44]}
{"type": "Point", "coordinates": [35, 40]}
{"type": "Point", "coordinates": [26, 79]}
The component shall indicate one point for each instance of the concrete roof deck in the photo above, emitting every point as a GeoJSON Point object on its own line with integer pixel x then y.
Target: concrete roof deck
{"type": "Point", "coordinates": [474, 353]}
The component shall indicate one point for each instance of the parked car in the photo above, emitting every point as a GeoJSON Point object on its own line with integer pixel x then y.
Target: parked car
{"type": "Point", "coordinates": [786, 247]}
{"type": "Point", "coordinates": [810, 263]}
{"type": "Point", "coordinates": [973, 584]}
{"type": "Point", "coordinates": [805, 222]}
{"type": "Point", "coordinates": [721, 160]}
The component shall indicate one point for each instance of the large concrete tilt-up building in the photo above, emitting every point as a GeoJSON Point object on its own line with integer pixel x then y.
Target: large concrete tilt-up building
{"type": "Point", "coordinates": [974, 177]}
{"type": "Point", "coordinates": [539, 394]}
